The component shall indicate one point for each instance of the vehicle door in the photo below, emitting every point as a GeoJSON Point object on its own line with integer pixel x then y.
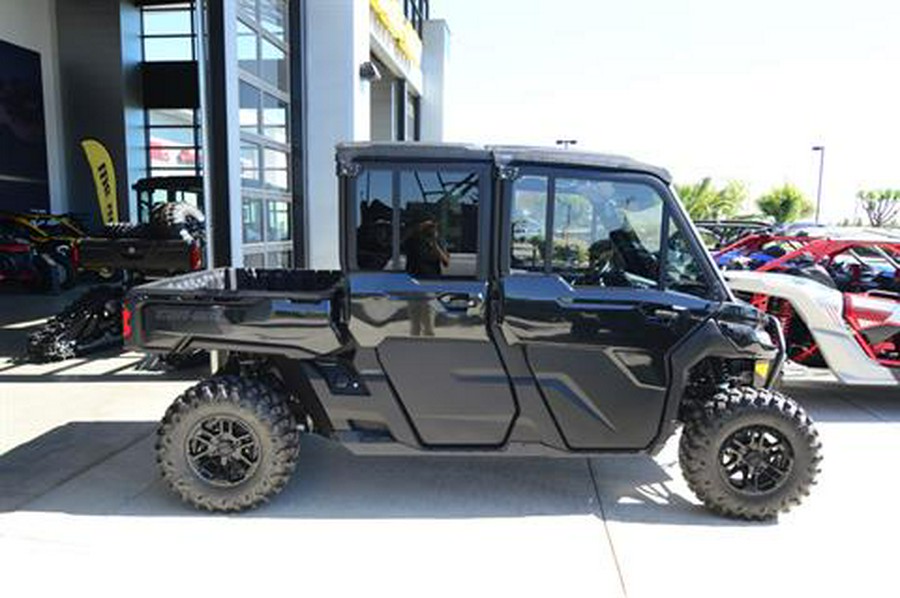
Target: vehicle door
{"type": "Point", "coordinates": [599, 283]}
{"type": "Point", "coordinates": [418, 255]}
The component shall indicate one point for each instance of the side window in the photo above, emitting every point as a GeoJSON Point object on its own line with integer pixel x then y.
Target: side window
{"type": "Point", "coordinates": [424, 222]}
{"type": "Point", "coordinates": [606, 233]}
{"type": "Point", "coordinates": [682, 271]}
{"type": "Point", "coordinates": [374, 220]}
{"type": "Point", "coordinates": [438, 223]}
{"type": "Point", "coordinates": [529, 223]}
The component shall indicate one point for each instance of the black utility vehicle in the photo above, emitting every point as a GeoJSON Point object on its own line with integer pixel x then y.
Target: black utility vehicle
{"type": "Point", "coordinates": [492, 301]}
{"type": "Point", "coordinates": [167, 238]}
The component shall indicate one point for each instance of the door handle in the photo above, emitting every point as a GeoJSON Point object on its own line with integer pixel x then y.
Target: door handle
{"type": "Point", "coordinates": [664, 314]}
{"type": "Point", "coordinates": [459, 301]}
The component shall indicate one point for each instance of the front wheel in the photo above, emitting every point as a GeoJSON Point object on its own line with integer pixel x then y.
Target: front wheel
{"type": "Point", "coordinates": [750, 453]}
{"type": "Point", "coordinates": [228, 444]}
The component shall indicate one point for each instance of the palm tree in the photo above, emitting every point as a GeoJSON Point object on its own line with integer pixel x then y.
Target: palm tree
{"type": "Point", "coordinates": [785, 204]}
{"type": "Point", "coordinates": [704, 202]}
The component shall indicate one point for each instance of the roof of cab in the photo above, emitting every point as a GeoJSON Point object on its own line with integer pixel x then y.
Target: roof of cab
{"type": "Point", "coordinates": [497, 154]}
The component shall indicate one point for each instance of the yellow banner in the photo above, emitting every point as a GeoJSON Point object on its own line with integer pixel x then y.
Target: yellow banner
{"type": "Point", "coordinates": [390, 13]}
{"type": "Point", "coordinates": [104, 179]}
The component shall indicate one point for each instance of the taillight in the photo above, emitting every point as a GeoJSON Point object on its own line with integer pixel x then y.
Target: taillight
{"type": "Point", "coordinates": [15, 248]}
{"type": "Point", "coordinates": [126, 322]}
{"type": "Point", "coordinates": [196, 257]}
{"type": "Point", "coordinates": [76, 255]}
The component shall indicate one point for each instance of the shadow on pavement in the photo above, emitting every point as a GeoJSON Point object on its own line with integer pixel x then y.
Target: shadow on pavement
{"type": "Point", "coordinates": [108, 468]}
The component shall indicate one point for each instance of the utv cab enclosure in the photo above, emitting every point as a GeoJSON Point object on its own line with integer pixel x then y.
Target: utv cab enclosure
{"type": "Point", "coordinates": [491, 301]}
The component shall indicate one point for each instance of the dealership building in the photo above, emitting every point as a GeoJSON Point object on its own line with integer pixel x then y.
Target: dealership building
{"type": "Point", "coordinates": [250, 95]}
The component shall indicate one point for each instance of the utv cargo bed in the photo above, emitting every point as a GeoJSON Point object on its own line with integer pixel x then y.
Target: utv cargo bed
{"type": "Point", "coordinates": [284, 312]}
{"type": "Point", "coordinates": [153, 257]}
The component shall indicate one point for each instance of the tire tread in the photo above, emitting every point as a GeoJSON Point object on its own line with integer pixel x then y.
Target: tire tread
{"type": "Point", "coordinates": [703, 432]}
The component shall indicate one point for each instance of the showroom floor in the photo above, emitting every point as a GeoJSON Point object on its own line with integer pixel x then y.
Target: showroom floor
{"type": "Point", "coordinates": [81, 506]}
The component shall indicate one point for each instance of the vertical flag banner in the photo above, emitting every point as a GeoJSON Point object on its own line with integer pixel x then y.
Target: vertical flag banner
{"type": "Point", "coordinates": [104, 179]}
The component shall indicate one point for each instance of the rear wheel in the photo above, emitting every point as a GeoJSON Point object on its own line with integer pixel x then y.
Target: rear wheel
{"type": "Point", "coordinates": [228, 444]}
{"type": "Point", "coordinates": [750, 453]}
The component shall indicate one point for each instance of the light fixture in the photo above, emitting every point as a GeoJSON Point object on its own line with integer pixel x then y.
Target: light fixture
{"type": "Point", "coordinates": [369, 72]}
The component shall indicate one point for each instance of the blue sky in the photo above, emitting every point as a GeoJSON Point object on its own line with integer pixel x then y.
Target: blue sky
{"type": "Point", "coordinates": [732, 90]}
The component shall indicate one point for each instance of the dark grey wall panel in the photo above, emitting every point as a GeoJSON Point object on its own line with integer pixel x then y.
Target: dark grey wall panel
{"type": "Point", "coordinates": [98, 61]}
{"type": "Point", "coordinates": [135, 138]}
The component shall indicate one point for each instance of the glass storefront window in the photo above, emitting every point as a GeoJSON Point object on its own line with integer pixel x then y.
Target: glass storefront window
{"type": "Point", "coordinates": [277, 179]}
{"type": "Point", "coordinates": [275, 165]}
{"type": "Point", "coordinates": [412, 118]}
{"type": "Point", "coordinates": [273, 66]}
{"type": "Point", "coordinates": [247, 48]}
{"type": "Point", "coordinates": [250, 162]}
{"type": "Point", "coordinates": [252, 219]}
{"type": "Point", "coordinates": [274, 159]}
{"type": "Point", "coordinates": [254, 260]}
{"type": "Point", "coordinates": [279, 259]}
{"type": "Point", "coordinates": [171, 117]}
{"type": "Point", "coordinates": [248, 6]}
{"type": "Point", "coordinates": [274, 118]}
{"type": "Point", "coordinates": [272, 16]}
{"type": "Point", "coordinates": [167, 22]}
{"type": "Point", "coordinates": [279, 222]}
{"type": "Point", "coordinates": [172, 136]}
{"type": "Point", "coordinates": [168, 49]}
{"type": "Point", "coordinates": [264, 123]}
{"type": "Point", "coordinates": [248, 107]}
{"type": "Point", "coordinates": [168, 171]}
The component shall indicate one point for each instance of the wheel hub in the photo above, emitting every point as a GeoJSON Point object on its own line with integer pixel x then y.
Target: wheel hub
{"type": "Point", "coordinates": [223, 450]}
{"type": "Point", "coordinates": [756, 459]}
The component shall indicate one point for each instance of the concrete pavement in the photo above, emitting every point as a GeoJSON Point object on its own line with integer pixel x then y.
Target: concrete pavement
{"type": "Point", "coordinates": [81, 507]}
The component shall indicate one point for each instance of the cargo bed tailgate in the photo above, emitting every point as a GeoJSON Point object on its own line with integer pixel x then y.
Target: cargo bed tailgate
{"type": "Point", "coordinates": [288, 312]}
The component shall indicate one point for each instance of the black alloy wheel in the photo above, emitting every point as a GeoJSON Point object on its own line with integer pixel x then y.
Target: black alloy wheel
{"type": "Point", "coordinates": [223, 450]}
{"type": "Point", "coordinates": [756, 459]}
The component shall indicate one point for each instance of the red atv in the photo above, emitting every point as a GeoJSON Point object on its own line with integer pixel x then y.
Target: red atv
{"type": "Point", "coordinates": [836, 293]}
{"type": "Point", "coordinates": [21, 263]}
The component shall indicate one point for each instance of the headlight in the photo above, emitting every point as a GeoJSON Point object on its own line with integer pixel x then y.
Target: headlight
{"type": "Point", "coordinates": [762, 368]}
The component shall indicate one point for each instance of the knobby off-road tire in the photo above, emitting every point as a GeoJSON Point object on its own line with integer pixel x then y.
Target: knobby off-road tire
{"type": "Point", "coordinates": [228, 444]}
{"type": "Point", "coordinates": [750, 453]}
{"type": "Point", "coordinates": [177, 220]}
{"type": "Point", "coordinates": [126, 230]}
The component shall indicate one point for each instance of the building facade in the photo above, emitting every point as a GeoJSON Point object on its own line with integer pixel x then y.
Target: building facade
{"type": "Point", "coordinates": [250, 95]}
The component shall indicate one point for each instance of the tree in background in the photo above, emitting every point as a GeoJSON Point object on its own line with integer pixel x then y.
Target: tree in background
{"type": "Point", "coordinates": [785, 204]}
{"type": "Point", "coordinates": [704, 202]}
{"type": "Point", "coordinates": [881, 205]}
